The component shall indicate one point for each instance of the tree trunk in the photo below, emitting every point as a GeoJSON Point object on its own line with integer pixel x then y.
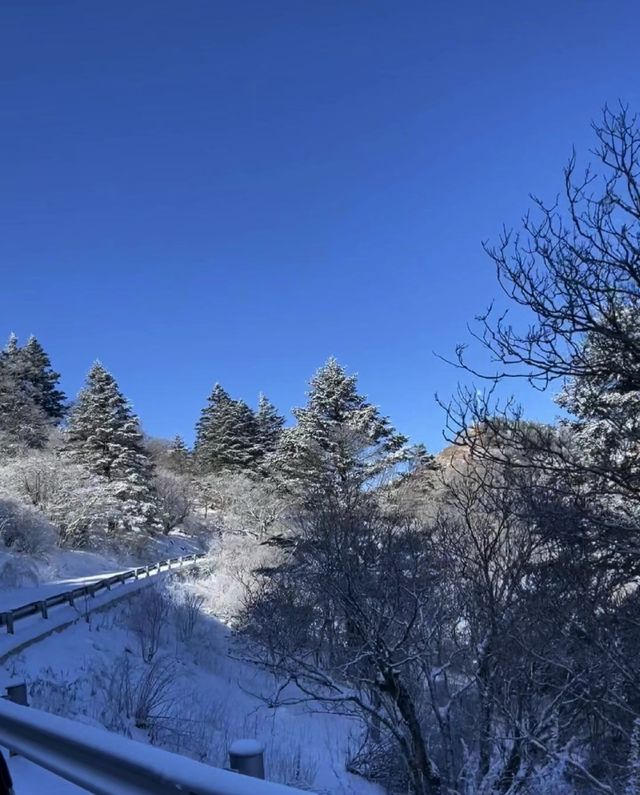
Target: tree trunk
{"type": "Point", "coordinates": [425, 777]}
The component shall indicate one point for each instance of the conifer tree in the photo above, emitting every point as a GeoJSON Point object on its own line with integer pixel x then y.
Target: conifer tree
{"type": "Point", "coordinates": [11, 347]}
{"type": "Point", "coordinates": [37, 371]}
{"type": "Point", "coordinates": [226, 435]}
{"type": "Point", "coordinates": [341, 442]}
{"type": "Point", "coordinates": [23, 423]}
{"type": "Point", "coordinates": [269, 426]}
{"type": "Point", "coordinates": [248, 444]}
{"type": "Point", "coordinates": [104, 434]}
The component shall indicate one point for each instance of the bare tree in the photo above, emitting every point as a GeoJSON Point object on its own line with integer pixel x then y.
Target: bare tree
{"type": "Point", "coordinates": [175, 498]}
{"type": "Point", "coordinates": [348, 621]}
{"type": "Point", "coordinates": [187, 612]}
{"type": "Point", "coordinates": [574, 268]}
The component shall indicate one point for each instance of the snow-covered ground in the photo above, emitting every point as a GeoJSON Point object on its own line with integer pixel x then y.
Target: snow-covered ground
{"type": "Point", "coordinates": [92, 672]}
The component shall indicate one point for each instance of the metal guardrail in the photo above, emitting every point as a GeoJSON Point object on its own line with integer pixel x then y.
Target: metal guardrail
{"type": "Point", "coordinates": [9, 617]}
{"type": "Point", "coordinates": [104, 763]}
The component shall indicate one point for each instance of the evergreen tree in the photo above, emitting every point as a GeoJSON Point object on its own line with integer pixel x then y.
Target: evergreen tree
{"type": "Point", "coordinates": [37, 371]}
{"type": "Point", "coordinates": [248, 445]}
{"type": "Point", "coordinates": [341, 442]}
{"type": "Point", "coordinates": [226, 435]}
{"type": "Point", "coordinates": [104, 434]}
{"type": "Point", "coordinates": [269, 426]}
{"type": "Point", "coordinates": [23, 423]}
{"type": "Point", "coordinates": [11, 348]}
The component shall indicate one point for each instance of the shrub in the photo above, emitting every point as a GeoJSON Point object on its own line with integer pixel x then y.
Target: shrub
{"type": "Point", "coordinates": [24, 529]}
{"type": "Point", "coordinates": [148, 616]}
{"type": "Point", "coordinates": [187, 612]}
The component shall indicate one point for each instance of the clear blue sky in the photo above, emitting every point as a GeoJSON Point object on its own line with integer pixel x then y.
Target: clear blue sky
{"type": "Point", "coordinates": [232, 191]}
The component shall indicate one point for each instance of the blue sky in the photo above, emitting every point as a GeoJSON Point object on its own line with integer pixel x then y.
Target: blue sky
{"type": "Point", "coordinates": [232, 191]}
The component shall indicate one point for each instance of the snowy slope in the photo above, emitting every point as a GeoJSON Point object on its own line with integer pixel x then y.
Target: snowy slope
{"type": "Point", "coordinates": [26, 578]}
{"type": "Point", "coordinates": [73, 673]}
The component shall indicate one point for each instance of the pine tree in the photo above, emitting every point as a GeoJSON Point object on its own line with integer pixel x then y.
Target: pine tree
{"type": "Point", "coordinates": [23, 423]}
{"type": "Point", "coordinates": [104, 434]}
{"type": "Point", "coordinates": [269, 426]}
{"type": "Point", "coordinates": [341, 442]}
{"type": "Point", "coordinates": [37, 371]}
{"type": "Point", "coordinates": [11, 347]}
{"type": "Point", "coordinates": [248, 445]}
{"type": "Point", "coordinates": [226, 435]}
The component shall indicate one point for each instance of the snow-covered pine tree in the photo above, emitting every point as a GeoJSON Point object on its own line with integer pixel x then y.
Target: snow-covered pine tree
{"type": "Point", "coordinates": [12, 346]}
{"type": "Point", "coordinates": [226, 435]}
{"type": "Point", "coordinates": [37, 371]}
{"type": "Point", "coordinates": [340, 442]}
{"type": "Point", "coordinates": [248, 442]}
{"type": "Point", "coordinates": [104, 434]}
{"type": "Point", "coordinates": [269, 424]}
{"type": "Point", "coordinates": [23, 423]}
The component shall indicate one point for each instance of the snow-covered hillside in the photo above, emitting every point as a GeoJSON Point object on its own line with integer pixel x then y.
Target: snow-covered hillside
{"type": "Point", "coordinates": [198, 694]}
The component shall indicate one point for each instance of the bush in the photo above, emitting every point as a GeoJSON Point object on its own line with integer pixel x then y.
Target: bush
{"type": "Point", "coordinates": [148, 617]}
{"type": "Point", "coordinates": [81, 505]}
{"type": "Point", "coordinates": [230, 571]}
{"type": "Point", "coordinates": [17, 572]}
{"type": "Point", "coordinates": [24, 529]}
{"type": "Point", "coordinates": [187, 611]}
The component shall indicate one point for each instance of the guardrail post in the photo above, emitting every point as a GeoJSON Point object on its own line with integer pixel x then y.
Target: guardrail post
{"type": "Point", "coordinates": [169, 565]}
{"type": "Point", "coordinates": [7, 618]}
{"type": "Point", "coordinates": [44, 609]}
{"type": "Point", "coordinates": [247, 757]}
{"type": "Point", "coordinates": [17, 693]}
{"type": "Point", "coordinates": [70, 598]}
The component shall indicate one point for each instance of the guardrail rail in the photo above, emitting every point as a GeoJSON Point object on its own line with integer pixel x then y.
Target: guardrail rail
{"type": "Point", "coordinates": [9, 617]}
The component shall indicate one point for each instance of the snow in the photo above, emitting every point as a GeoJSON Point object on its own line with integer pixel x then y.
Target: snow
{"type": "Point", "coordinates": [70, 672]}
{"type": "Point", "coordinates": [29, 629]}
{"type": "Point", "coordinates": [64, 570]}
{"type": "Point", "coordinates": [107, 763]}
{"type": "Point", "coordinates": [16, 597]}
{"type": "Point", "coordinates": [246, 748]}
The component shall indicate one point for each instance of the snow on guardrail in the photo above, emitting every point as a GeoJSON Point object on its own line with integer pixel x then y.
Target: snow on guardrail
{"type": "Point", "coordinates": [104, 763]}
